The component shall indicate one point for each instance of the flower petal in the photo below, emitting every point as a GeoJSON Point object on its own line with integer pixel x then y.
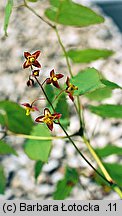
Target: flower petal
{"type": "Point", "coordinates": [47, 111]}
{"type": "Point", "coordinates": [50, 126]}
{"type": "Point", "coordinates": [26, 54]}
{"type": "Point", "coordinates": [36, 54]}
{"type": "Point", "coordinates": [67, 82]}
{"type": "Point", "coordinates": [57, 115]}
{"type": "Point", "coordinates": [26, 64]}
{"type": "Point", "coordinates": [52, 73]}
{"type": "Point", "coordinates": [55, 83]}
{"type": "Point", "coordinates": [36, 64]}
{"type": "Point", "coordinates": [48, 81]}
{"type": "Point", "coordinates": [59, 76]}
{"type": "Point", "coordinates": [39, 119]}
{"type": "Point", "coordinates": [35, 108]}
{"type": "Point", "coordinates": [26, 105]}
{"type": "Point", "coordinates": [71, 96]}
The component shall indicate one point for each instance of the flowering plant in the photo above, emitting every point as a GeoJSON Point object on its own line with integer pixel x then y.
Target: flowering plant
{"type": "Point", "coordinates": [60, 97]}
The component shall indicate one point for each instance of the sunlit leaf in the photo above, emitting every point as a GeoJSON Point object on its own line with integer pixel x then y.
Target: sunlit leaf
{"type": "Point", "coordinates": [6, 149]}
{"type": "Point", "coordinates": [110, 84]}
{"type": "Point", "coordinates": [39, 150]}
{"type": "Point", "coordinates": [38, 168]}
{"type": "Point", "coordinates": [88, 55]}
{"type": "Point", "coordinates": [109, 150]}
{"type": "Point", "coordinates": [63, 108]}
{"type": "Point", "coordinates": [14, 118]}
{"type": "Point", "coordinates": [87, 81]}
{"type": "Point", "coordinates": [115, 171]}
{"type": "Point", "coordinates": [8, 11]}
{"type": "Point", "coordinates": [100, 94]}
{"type": "Point", "coordinates": [107, 110]}
{"type": "Point", "coordinates": [67, 12]}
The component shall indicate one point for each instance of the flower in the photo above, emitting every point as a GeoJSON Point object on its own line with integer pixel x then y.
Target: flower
{"type": "Point", "coordinates": [70, 89]}
{"type": "Point", "coordinates": [35, 73]}
{"type": "Point", "coordinates": [48, 118]}
{"type": "Point", "coordinates": [31, 59]}
{"type": "Point", "coordinates": [30, 108]}
{"type": "Point", "coordinates": [30, 82]}
{"type": "Point", "coordinates": [53, 79]}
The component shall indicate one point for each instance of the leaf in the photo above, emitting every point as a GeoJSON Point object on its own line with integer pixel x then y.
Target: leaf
{"type": "Point", "coordinates": [100, 94]}
{"type": "Point", "coordinates": [110, 84]}
{"type": "Point", "coordinates": [2, 180]}
{"type": "Point", "coordinates": [115, 171]}
{"type": "Point", "coordinates": [6, 149]}
{"type": "Point", "coordinates": [38, 168]}
{"type": "Point", "coordinates": [32, 0]}
{"type": "Point", "coordinates": [88, 55]}
{"type": "Point", "coordinates": [14, 118]}
{"type": "Point", "coordinates": [87, 81]}
{"type": "Point", "coordinates": [36, 149]}
{"type": "Point", "coordinates": [107, 110]}
{"type": "Point", "coordinates": [63, 108]}
{"type": "Point", "coordinates": [109, 150]}
{"type": "Point", "coordinates": [65, 186]}
{"type": "Point", "coordinates": [50, 92]}
{"type": "Point", "coordinates": [69, 13]}
{"type": "Point", "coordinates": [8, 11]}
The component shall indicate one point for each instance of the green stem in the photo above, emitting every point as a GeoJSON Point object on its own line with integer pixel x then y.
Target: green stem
{"type": "Point", "coordinates": [36, 137]}
{"type": "Point", "coordinates": [64, 51]}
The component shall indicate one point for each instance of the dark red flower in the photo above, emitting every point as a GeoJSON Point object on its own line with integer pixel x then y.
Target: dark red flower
{"type": "Point", "coordinates": [70, 89]}
{"type": "Point", "coordinates": [31, 59]}
{"type": "Point", "coordinates": [35, 73]}
{"type": "Point", "coordinates": [48, 118]}
{"type": "Point", "coordinates": [29, 108]}
{"type": "Point", "coordinates": [53, 79]}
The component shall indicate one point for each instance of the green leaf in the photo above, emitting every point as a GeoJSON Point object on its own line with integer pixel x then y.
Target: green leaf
{"type": "Point", "coordinates": [107, 110]}
{"type": "Point", "coordinates": [65, 186]}
{"type": "Point", "coordinates": [63, 108]}
{"type": "Point", "coordinates": [100, 94]}
{"type": "Point", "coordinates": [6, 149]}
{"type": "Point", "coordinates": [8, 11]}
{"type": "Point", "coordinates": [88, 55]}
{"type": "Point", "coordinates": [2, 180]}
{"type": "Point", "coordinates": [115, 171]}
{"type": "Point", "coordinates": [37, 149]}
{"type": "Point", "coordinates": [38, 168]}
{"type": "Point", "coordinates": [69, 13]}
{"type": "Point", "coordinates": [110, 84]}
{"type": "Point", "coordinates": [87, 81]}
{"type": "Point", "coordinates": [50, 92]}
{"type": "Point", "coordinates": [14, 117]}
{"type": "Point", "coordinates": [109, 150]}
{"type": "Point", "coordinates": [32, 0]}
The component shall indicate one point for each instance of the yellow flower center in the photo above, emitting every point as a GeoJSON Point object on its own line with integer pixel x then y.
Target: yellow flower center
{"type": "Point", "coordinates": [36, 73]}
{"type": "Point", "coordinates": [28, 111]}
{"type": "Point", "coordinates": [47, 120]}
{"type": "Point", "coordinates": [31, 59]}
{"type": "Point", "coordinates": [54, 79]}
{"type": "Point", "coordinates": [71, 88]}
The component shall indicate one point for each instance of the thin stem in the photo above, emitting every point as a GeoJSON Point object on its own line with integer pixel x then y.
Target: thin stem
{"type": "Point", "coordinates": [44, 93]}
{"type": "Point", "coordinates": [58, 95]}
{"type": "Point", "coordinates": [37, 100]}
{"type": "Point", "coordinates": [97, 159]}
{"type": "Point", "coordinates": [64, 51]}
{"type": "Point", "coordinates": [44, 20]}
{"type": "Point", "coordinates": [110, 183]}
{"type": "Point", "coordinates": [36, 137]}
